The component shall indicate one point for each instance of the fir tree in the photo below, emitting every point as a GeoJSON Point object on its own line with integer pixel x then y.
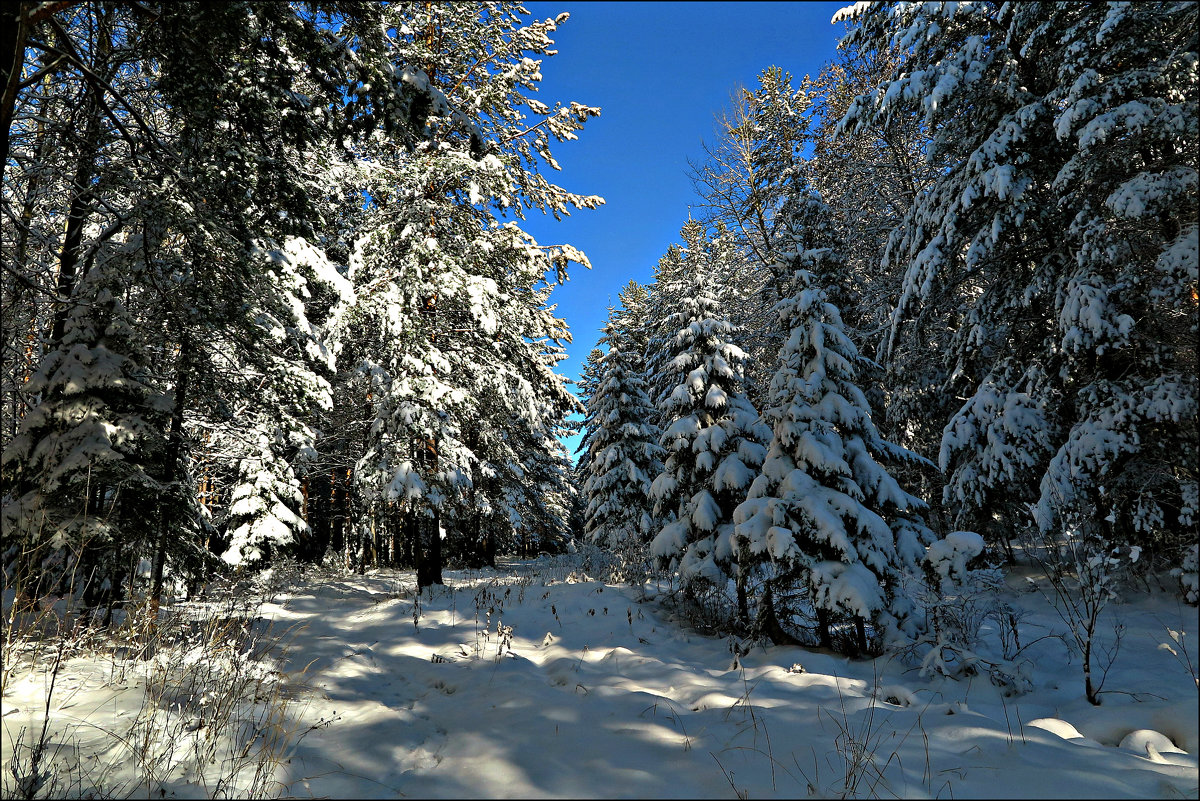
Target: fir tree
{"type": "Point", "coordinates": [1058, 240]}
{"type": "Point", "coordinates": [625, 457]}
{"type": "Point", "coordinates": [714, 448]}
{"type": "Point", "coordinates": [85, 472]}
{"type": "Point", "coordinates": [820, 509]}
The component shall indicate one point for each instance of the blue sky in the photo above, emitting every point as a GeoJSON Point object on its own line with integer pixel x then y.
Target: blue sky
{"type": "Point", "coordinates": [659, 72]}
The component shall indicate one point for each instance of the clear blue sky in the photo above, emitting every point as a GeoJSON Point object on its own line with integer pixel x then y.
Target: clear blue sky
{"type": "Point", "coordinates": [659, 72]}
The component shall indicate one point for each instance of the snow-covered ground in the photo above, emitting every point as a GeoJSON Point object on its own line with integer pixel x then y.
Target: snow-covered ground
{"type": "Point", "coordinates": [525, 682]}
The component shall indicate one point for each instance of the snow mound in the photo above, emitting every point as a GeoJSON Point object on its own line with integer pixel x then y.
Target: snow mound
{"type": "Point", "coordinates": [1147, 741]}
{"type": "Point", "coordinates": [1055, 726]}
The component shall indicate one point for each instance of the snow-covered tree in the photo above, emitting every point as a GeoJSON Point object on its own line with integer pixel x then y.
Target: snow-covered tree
{"type": "Point", "coordinates": [867, 179]}
{"type": "Point", "coordinates": [84, 476]}
{"type": "Point", "coordinates": [1059, 239]}
{"type": "Point", "coordinates": [753, 163]}
{"type": "Point", "coordinates": [664, 296]}
{"type": "Point", "coordinates": [452, 338]}
{"type": "Point", "coordinates": [717, 257]}
{"type": "Point", "coordinates": [632, 317]}
{"type": "Point", "coordinates": [589, 380]}
{"type": "Point", "coordinates": [264, 506]}
{"type": "Point", "coordinates": [825, 510]}
{"type": "Point", "coordinates": [625, 457]}
{"type": "Point", "coordinates": [714, 448]}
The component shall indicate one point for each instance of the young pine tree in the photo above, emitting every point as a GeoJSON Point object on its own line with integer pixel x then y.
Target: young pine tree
{"type": "Point", "coordinates": [714, 448]}
{"type": "Point", "coordinates": [824, 510]}
{"type": "Point", "coordinates": [625, 457]}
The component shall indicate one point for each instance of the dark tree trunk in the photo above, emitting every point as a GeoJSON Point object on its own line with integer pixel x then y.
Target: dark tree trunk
{"type": "Point", "coordinates": [337, 534]}
{"type": "Point", "coordinates": [826, 638]}
{"type": "Point", "coordinates": [435, 550]}
{"type": "Point", "coordinates": [429, 540]}
{"type": "Point", "coordinates": [860, 631]}
{"type": "Point", "coordinates": [743, 605]}
{"type": "Point", "coordinates": [489, 546]}
{"type": "Point", "coordinates": [767, 623]}
{"type": "Point", "coordinates": [68, 262]}
{"type": "Point", "coordinates": [429, 565]}
{"type": "Point", "coordinates": [14, 28]}
{"type": "Point", "coordinates": [172, 472]}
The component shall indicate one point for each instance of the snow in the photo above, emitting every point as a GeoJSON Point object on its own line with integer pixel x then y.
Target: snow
{"type": "Point", "coordinates": [534, 680]}
{"type": "Point", "coordinates": [948, 557]}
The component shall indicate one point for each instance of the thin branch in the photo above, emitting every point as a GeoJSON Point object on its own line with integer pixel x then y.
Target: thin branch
{"type": "Point", "coordinates": [24, 279]}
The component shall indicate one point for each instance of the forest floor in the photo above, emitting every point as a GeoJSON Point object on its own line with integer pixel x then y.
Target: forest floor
{"type": "Point", "coordinates": [533, 680]}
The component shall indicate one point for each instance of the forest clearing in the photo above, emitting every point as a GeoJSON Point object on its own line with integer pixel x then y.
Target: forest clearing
{"type": "Point", "coordinates": [536, 681]}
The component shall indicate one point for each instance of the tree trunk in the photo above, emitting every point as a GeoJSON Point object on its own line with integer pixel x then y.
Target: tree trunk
{"type": "Point", "coordinates": [489, 546]}
{"type": "Point", "coordinates": [826, 638]}
{"type": "Point", "coordinates": [429, 552]}
{"type": "Point", "coordinates": [14, 28]}
{"type": "Point", "coordinates": [85, 173]}
{"type": "Point", "coordinates": [1089, 686]}
{"type": "Point", "coordinates": [743, 606]}
{"type": "Point", "coordinates": [435, 550]}
{"type": "Point", "coordinates": [68, 262]}
{"type": "Point", "coordinates": [172, 471]}
{"type": "Point", "coordinates": [860, 631]}
{"type": "Point", "coordinates": [419, 555]}
{"type": "Point", "coordinates": [767, 623]}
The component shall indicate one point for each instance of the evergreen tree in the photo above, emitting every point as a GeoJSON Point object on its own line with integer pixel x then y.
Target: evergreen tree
{"type": "Point", "coordinates": [625, 457]}
{"type": "Point", "coordinates": [1058, 239]}
{"type": "Point", "coordinates": [633, 316]}
{"type": "Point", "coordinates": [84, 475]}
{"type": "Point", "coordinates": [867, 179]}
{"type": "Point", "coordinates": [664, 296]}
{"type": "Point", "coordinates": [451, 323]}
{"type": "Point", "coordinates": [714, 448]}
{"type": "Point", "coordinates": [824, 510]}
{"type": "Point", "coordinates": [264, 506]}
{"type": "Point", "coordinates": [589, 380]}
{"type": "Point", "coordinates": [718, 258]}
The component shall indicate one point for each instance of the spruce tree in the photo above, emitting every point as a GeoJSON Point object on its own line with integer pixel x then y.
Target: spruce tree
{"type": "Point", "coordinates": [84, 475]}
{"type": "Point", "coordinates": [714, 448]}
{"type": "Point", "coordinates": [824, 510]}
{"type": "Point", "coordinates": [625, 457]}
{"type": "Point", "coordinates": [1057, 239]}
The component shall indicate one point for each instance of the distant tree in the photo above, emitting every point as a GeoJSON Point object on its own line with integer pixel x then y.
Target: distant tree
{"type": "Point", "coordinates": [589, 380]}
{"type": "Point", "coordinates": [625, 458]}
{"type": "Point", "coordinates": [714, 448]}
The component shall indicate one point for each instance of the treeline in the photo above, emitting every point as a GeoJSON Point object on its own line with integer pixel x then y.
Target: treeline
{"type": "Point", "coordinates": [941, 295]}
{"type": "Point", "coordinates": [266, 293]}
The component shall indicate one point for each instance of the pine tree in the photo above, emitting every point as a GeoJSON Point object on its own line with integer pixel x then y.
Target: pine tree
{"type": "Point", "coordinates": [824, 510]}
{"type": "Point", "coordinates": [714, 448]}
{"type": "Point", "coordinates": [625, 457]}
{"type": "Point", "coordinates": [633, 316]}
{"type": "Point", "coordinates": [664, 296]}
{"type": "Point", "coordinates": [449, 335]}
{"type": "Point", "coordinates": [1058, 240]}
{"type": "Point", "coordinates": [867, 179]}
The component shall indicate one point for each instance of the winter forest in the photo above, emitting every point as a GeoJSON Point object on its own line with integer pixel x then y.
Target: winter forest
{"type": "Point", "coordinates": [893, 465]}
